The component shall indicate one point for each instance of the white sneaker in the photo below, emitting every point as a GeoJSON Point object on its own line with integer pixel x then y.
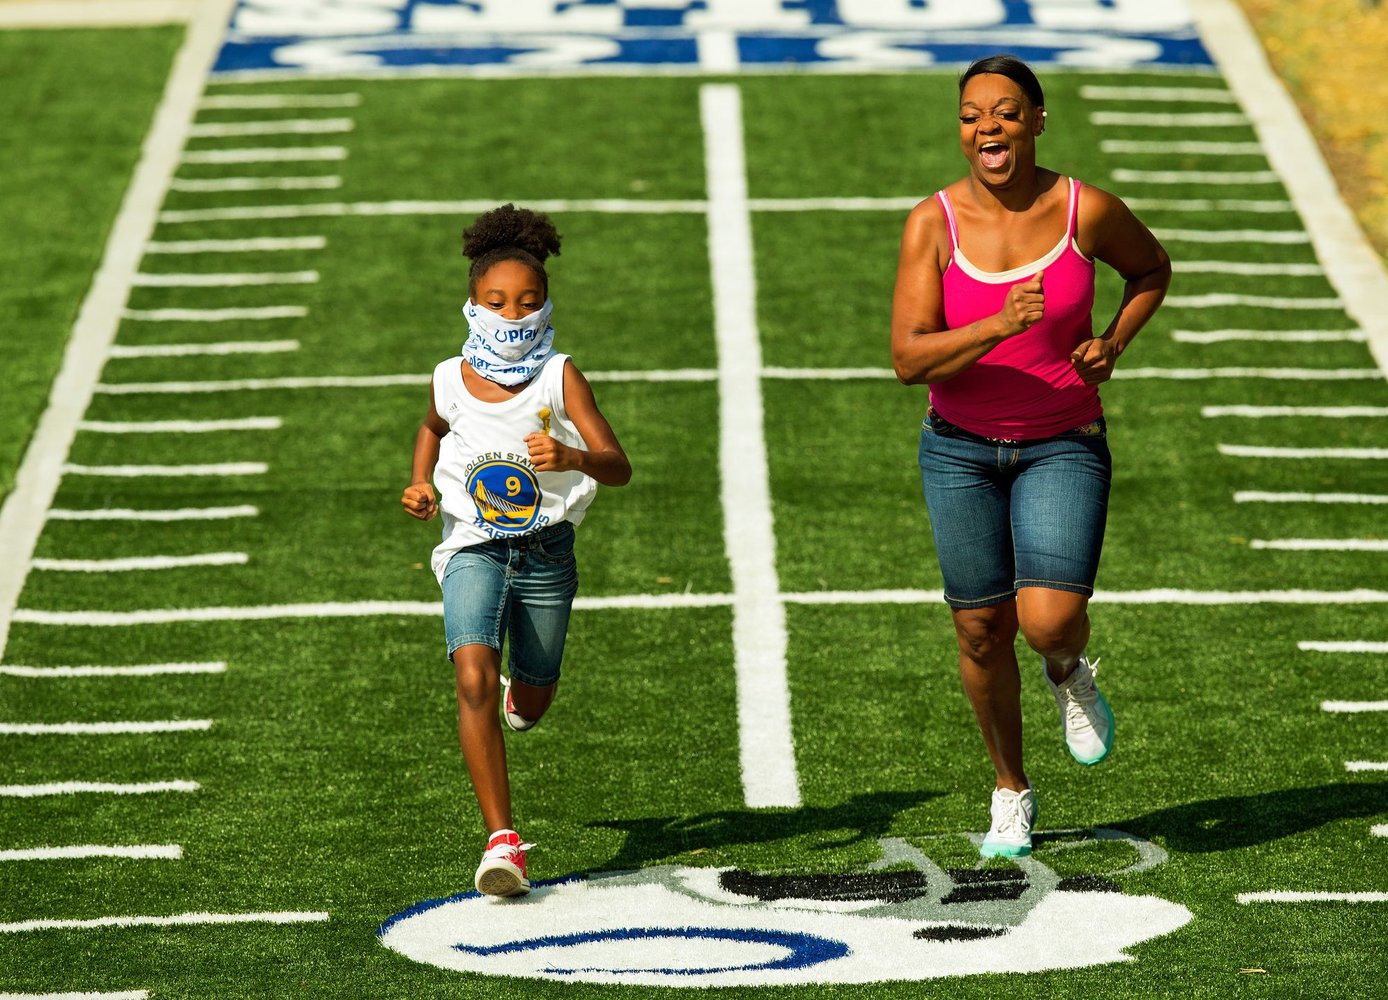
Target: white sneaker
{"type": "Point", "coordinates": [515, 722]}
{"type": "Point", "coordinates": [1085, 715]}
{"type": "Point", "coordinates": [1014, 814]}
{"type": "Point", "coordinates": [502, 871]}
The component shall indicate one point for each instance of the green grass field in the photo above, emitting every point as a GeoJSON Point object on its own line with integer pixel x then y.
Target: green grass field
{"type": "Point", "coordinates": [330, 778]}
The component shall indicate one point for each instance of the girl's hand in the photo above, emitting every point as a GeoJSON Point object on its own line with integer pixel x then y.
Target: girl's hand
{"type": "Point", "coordinates": [1025, 305]}
{"type": "Point", "coordinates": [1094, 360]}
{"type": "Point", "coordinates": [420, 501]}
{"type": "Point", "coordinates": [549, 455]}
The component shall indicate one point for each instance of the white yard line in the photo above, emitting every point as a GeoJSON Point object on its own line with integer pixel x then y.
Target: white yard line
{"type": "Point", "coordinates": [1366, 765]}
{"type": "Point", "coordinates": [177, 920]}
{"type": "Point", "coordinates": [1280, 374]}
{"type": "Point", "coordinates": [104, 728]}
{"type": "Point", "coordinates": [1379, 830]}
{"type": "Point", "coordinates": [134, 564]}
{"type": "Point", "coordinates": [1321, 544]}
{"type": "Point", "coordinates": [142, 471]}
{"type": "Point", "coordinates": [234, 280]}
{"type": "Point", "coordinates": [180, 426]}
{"type": "Point", "coordinates": [1257, 496]}
{"type": "Point", "coordinates": [1259, 451]}
{"type": "Point", "coordinates": [1212, 95]}
{"type": "Point", "coordinates": [1195, 176]}
{"type": "Point", "coordinates": [270, 154]}
{"type": "Point", "coordinates": [1202, 205]}
{"type": "Point", "coordinates": [767, 749]}
{"type": "Point", "coordinates": [39, 14]}
{"type": "Point", "coordinates": [1149, 119]}
{"type": "Point", "coordinates": [283, 126]}
{"type": "Point", "coordinates": [1219, 300]}
{"type": "Point", "coordinates": [1269, 236]}
{"type": "Point", "coordinates": [271, 102]}
{"type": "Point", "coordinates": [214, 315]}
{"type": "Point", "coordinates": [204, 350]}
{"type": "Point", "coordinates": [121, 995]}
{"type": "Point", "coordinates": [330, 182]}
{"type": "Point", "coordinates": [1354, 707]}
{"type": "Point", "coordinates": [1351, 264]}
{"type": "Point", "coordinates": [157, 516]}
{"type": "Point", "coordinates": [77, 852]}
{"type": "Point", "coordinates": [260, 244]}
{"type": "Point", "coordinates": [1239, 267]}
{"type": "Point", "coordinates": [1336, 412]}
{"type": "Point", "coordinates": [1268, 336]}
{"type": "Point", "coordinates": [96, 788]}
{"type": "Point", "coordinates": [258, 384]}
{"type": "Point", "coordinates": [133, 670]}
{"type": "Point", "coordinates": [36, 482]}
{"type": "Point", "coordinates": [1287, 896]}
{"type": "Point", "coordinates": [1350, 646]}
{"type": "Point", "coordinates": [1143, 147]}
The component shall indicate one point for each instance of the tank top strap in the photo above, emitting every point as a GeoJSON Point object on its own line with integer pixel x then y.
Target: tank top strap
{"type": "Point", "coordinates": [949, 218]}
{"type": "Point", "coordinates": [1073, 213]}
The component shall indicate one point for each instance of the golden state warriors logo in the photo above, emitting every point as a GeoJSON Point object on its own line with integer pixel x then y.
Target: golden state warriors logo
{"type": "Point", "coordinates": [507, 495]}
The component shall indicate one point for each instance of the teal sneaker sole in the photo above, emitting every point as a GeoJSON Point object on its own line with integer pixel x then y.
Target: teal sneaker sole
{"type": "Point", "coordinates": [1108, 743]}
{"type": "Point", "coordinates": [1004, 850]}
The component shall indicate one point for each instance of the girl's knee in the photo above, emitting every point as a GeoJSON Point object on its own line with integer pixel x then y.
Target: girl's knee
{"type": "Point", "coordinates": [479, 675]}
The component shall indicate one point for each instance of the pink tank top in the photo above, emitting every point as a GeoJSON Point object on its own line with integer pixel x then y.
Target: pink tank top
{"type": "Point", "coordinates": [1025, 387]}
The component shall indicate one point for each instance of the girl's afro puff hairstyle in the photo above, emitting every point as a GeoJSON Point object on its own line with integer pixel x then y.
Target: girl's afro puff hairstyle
{"type": "Point", "coordinates": [510, 233]}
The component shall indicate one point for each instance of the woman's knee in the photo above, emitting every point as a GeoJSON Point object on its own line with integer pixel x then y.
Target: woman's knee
{"type": "Point", "coordinates": [983, 632]}
{"type": "Point", "coordinates": [1054, 622]}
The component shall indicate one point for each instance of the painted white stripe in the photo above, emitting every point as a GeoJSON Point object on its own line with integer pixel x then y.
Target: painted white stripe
{"type": "Point", "coordinates": [1366, 765]}
{"type": "Point", "coordinates": [78, 852]}
{"type": "Point", "coordinates": [96, 788]}
{"type": "Point", "coordinates": [257, 102]}
{"type": "Point", "coordinates": [620, 206]}
{"type": "Point", "coordinates": [1238, 267]}
{"type": "Point", "coordinates": [160, 516]}
{"type": "Point", "coordinates": [1256, 451]}
{"type": "Point", "coordinates": [1354, 268]}
{"type": "Point", "coordinates": [427, 609]}
{"type": "Point", "coordinates": [214, 315]}
{"type": "Point", "coordinates": [1321, 544]}
{"type": "Point", "coordinates": [1219, 299]}
{"type": "Point", "coordinates": [330, 182]}
{"type": "Point", "coordinates": [103, 728]}
{"type": "Point", "coordinates": [256, 384]}
{"type": "Point", "coordinates": [1285, 374]}
{"type": "Point", "coordinates": [180, 426]}
{"type": "Point", "coordinates": [1139, 204]}
{"type": "Point", "coordinates": [1287, 896]}
{"type": "Point", "coordinates": [1255, 496]}
{"type": "Point", "coordinates": [284, 126]}
{"type": "Point", "coordinates": [1379, 830]}
{"type": "Point", "coordinates": [36, 481]}
{"type": "Point", "coordinates": [260, 244]}
{"type": "Point", "coordinates": [767, 750]}
{"type": "Point", "coordinates": [1294, 411]}
{"type": "Point", "coordinates": [138, 471]}
{"type": "Point", "coordinates": [136, 670]}
{"type": "Point", "coordinates": [660, 375]}
{"type": "Point", "coordinates": [138, 563]}
{"type": "Point", "coordinates": [1267, 336]}
{"type": "Point", "coordinates": [271, 154]}
{"type": "Point", "coordinates": [1148, 119]}
{"type": "Point", "coordinates": [1195, 176]}
{"type": "Point", "coordinates": [121, 995]}
{"type": "Point", "coordinates": [177, 920]}
{"type": "Point", "coordinates": [1354, 707]}
{"type": "Point", "coordinates": [1214, 148]}
{"type": "Point", "coordinates": [204, 350]}
{"type": "Point", "coordinates": [1275, 236]}
{"type": "Point", "coordinates": [1211, 95]}
{"type": "Point", "coordinates": [226, 280]}
{"type": "Point", "coordinates": [833, 204]}
{"type": "Point", "coordinates": [717, 51]}
{"type": "Point", "coordinates": [1352, 646]}
{"type": "Point", "coordinates": [829, 374]}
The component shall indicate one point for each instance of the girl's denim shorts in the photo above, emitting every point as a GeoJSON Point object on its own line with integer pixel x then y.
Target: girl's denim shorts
{"type": "Point", "coordinates": [522, 588]}
{"type": "Point", "coordinates": [1010, 514]}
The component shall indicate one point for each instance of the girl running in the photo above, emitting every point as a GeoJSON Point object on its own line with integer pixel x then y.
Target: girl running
{"type": "Point", "coordinates": [517, 446]}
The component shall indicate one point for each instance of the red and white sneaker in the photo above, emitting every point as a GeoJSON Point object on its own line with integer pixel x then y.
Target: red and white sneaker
{"type": "Point", "coordinates": [502, 871]}
{"type": "Point", "coordinates": [515, 722]}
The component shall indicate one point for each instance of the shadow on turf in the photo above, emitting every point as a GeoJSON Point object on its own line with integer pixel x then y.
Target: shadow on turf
{"type": "Point", "coordinates": [1244, 820]}
{"type": "Point", "coordinates": [663, 837]}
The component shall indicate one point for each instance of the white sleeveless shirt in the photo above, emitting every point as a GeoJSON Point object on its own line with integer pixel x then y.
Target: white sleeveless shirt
{"type": "Point", "coordinates": [489, 487]}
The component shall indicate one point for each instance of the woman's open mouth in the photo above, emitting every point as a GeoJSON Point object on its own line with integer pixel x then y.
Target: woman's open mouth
{"type": "Point", "coordinates": [993, 155]}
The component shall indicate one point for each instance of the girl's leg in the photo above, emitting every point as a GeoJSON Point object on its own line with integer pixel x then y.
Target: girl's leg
{"type": "Point", "coordinates": [988, 668]}
{"type": "Point", "coordinates": [531, 701]}
{"type": "Point", "coordinates": [478, 669]}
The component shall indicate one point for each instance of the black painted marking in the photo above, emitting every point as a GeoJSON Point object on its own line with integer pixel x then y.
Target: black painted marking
{"type": "Point", "coordinates": [886, 887]}
{"type": "Point", "coordinates": [1087, 883]}
{"type": "Point", "coordinates": [973, 885]}
{"type": "Point", "coordinates": [958, 933]}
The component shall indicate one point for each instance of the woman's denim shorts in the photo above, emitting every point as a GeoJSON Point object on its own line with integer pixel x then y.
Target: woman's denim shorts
{"type": "Point", "coordinates": [1010, 514]}
{"type": "Point", "coordinates": [518, 587]}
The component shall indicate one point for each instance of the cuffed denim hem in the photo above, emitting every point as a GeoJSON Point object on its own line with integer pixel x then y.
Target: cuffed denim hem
{"type": "Point", "coordinates": [981, 602]}
{"type": "Point", "coordinates": [1073, 588]}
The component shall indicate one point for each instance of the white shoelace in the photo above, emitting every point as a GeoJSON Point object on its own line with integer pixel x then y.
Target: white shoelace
{"type": "Point", "coordinates": [1010, 823]}
{"type": "Point", "coordinates": [506, 851]}
{"type": "Point", "coordinates": [1082, 694]}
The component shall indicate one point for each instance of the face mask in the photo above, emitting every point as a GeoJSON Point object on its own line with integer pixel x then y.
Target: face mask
{"type": "Point", "coordinates": [507, 351]}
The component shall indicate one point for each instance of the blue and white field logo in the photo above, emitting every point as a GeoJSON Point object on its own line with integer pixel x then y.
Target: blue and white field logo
{"type": "Point", "coordinates": [904, 918]}
{"type": "Point", "coordinates": [507, 494]}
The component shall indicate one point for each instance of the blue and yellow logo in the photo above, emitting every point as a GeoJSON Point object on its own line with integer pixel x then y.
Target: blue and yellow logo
{"type": "Point", "coordinates": [507, 495]}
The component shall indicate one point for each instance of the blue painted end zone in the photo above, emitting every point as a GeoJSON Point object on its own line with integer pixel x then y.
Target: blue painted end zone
{"type": "Point", "coordinates": [320, 37]}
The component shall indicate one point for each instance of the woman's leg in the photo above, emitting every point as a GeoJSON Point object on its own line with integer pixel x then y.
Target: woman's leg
{"type": "Point", "coordinates": [478, 669]}
{"type": "Point", "coordinates": [1055, 623]}
{"type": "Point", "coordinates": [988, 668]}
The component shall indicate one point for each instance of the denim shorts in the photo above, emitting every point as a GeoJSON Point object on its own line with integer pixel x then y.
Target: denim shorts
{"type": "Point", "coordinates": [518, 587]}
{"type": "Point", "coordinates": [1010, 514]}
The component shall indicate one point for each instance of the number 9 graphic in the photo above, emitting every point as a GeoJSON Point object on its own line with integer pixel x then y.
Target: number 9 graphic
{"type": "Point", "coordinates": [513, 485]}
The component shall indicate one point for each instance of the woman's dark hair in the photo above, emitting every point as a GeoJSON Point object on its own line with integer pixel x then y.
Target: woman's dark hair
{"type": "Point", "coordinates": [1012, 68]}
{"type": "Point", "coordinates": [510, 233]}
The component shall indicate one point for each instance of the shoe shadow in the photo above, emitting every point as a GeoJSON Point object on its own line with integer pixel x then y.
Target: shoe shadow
{"type": "Point", "coordinates": [660, 838]}
{"type": "Point", "coordinates": [1245, 820]}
